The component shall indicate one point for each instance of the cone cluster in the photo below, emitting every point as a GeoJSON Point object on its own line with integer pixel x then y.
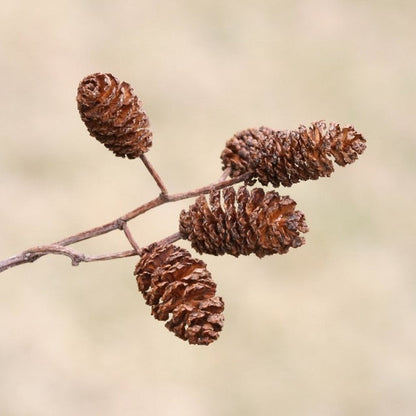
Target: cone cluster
{"type": "Point", "coordinates": [285, 157]}
{"type": "Point", "coordinates": [178, 287]}
{"type": "Point", "coordinates": [113, 115]}
{"type": "Point", "coordinates": [244, 222]}
{"type": "Point", "coordinates": [181, 291]}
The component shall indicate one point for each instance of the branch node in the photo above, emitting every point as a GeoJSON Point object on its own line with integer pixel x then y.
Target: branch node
{"type": "Point", "coordinates": [30, 257]}
{"type": "Point", "coordinates": [120, 223]}
{"type": "Point", "coordinates": [164, 196]}
{"type": "Point", "coordinates": [75, 261]}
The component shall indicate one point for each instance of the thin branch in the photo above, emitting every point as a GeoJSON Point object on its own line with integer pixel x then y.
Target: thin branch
{"type": "Point", "coordinates": [207, 189]}
{"type": "Point", "coordinates": [130, 237]}
{"type": "Point", "coordinates": [111, 226]}
{"type": "Point", "coordinates": [171, 239]}
{"type": "Point", "coordinates": [154, 174]}
{"type": "Point", "coordinates": [31, 255]}
{"type": "Point", "coordinates": [225, 174]}
{"type": "Point", "coordinates": [111, 256]}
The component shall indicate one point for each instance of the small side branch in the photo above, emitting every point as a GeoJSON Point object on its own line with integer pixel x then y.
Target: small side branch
{"type": "Point", "coordinates": [171, 239]}
{"type": "Point", "coordinates": [33, 254]}
{"type": "Point", "coordinates": [154, 174]}
{"type": "Point", "coordinates": [111, 256]}
{"type": "Point", "coordinates": [225, 174]}
{"type": "Point", "coordinates": [207, 189]}
{"type": "Point", "coordinates": [129, 236]}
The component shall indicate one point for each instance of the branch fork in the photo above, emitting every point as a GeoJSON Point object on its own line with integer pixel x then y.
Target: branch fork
{"type": "Point", "coordinates": [121, 223]}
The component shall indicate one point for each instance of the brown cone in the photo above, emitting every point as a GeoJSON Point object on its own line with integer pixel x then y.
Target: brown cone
{"type": "Point", "coordinates": [286, 157]}
{"type": "Point", "coordinates": [113, 115]}
{"type": "Point", "coordinates": [244, 223]}
{"type": "Point", "coordinates": [180, 291]}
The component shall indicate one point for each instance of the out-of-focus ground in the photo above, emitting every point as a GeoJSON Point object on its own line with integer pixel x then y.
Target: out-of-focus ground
{"type": "Point", "coordinates": [329, 328]}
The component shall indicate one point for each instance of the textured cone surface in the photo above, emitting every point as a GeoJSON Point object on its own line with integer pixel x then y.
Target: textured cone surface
{"type": "Point", "coordinates": [287, 157]}
{"type": "Point", "coordinates": [244, 223]}
{"type": "Point", "coordinates": [180, 291]}
{"type": "Point", "coordinates": [113, 115]}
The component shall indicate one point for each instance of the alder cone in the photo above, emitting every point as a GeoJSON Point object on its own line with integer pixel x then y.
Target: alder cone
{"type": "Point", "coordinates": [181, 291]}
{"type": "Point", "coordinates": [244, 223]}
{"type": "Point", "coordinates": [287, 157]}
{"type": "Point", "coordinates": [113, 115]}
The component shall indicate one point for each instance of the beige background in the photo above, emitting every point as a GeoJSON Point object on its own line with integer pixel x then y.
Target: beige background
{"type": "Point", "coordinates": [328, 329]}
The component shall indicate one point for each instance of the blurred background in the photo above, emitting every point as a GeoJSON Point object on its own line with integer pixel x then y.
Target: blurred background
{"type": "Point", "coordinates": [327, 329]}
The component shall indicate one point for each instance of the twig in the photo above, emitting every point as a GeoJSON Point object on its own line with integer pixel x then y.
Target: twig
{"type": "Point", "coordinates": [171, 239]}
{"type": "Point", "coordinates": [130, 237]}
{"type": "Point", "coordinates": [32, 254]}
{"type": "Point", "coordinates": [59, 247]}
{"type": "Point", "coordinates": [225, 174]}
{"type": "Point", "coordinates": [154, 174]}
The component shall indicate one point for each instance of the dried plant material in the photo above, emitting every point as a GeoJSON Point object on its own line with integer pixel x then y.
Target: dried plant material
{"type": "Point", "coordinates": [244, 223]}
{"type": "Point", "coordinates": [178, 287]}
{"type": "Point", "coordinates": [286, 157]}
{"type": "Point", "coordinates": [113, 115]}
{"type": "Point", "coordinates": [180, 291]}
